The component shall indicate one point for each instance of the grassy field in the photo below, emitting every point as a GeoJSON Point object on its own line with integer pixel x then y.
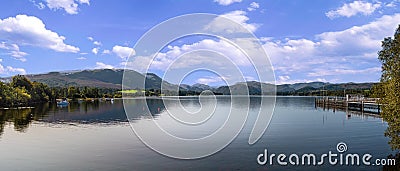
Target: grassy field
{"type": "Point", "coordinates": [130, 91]}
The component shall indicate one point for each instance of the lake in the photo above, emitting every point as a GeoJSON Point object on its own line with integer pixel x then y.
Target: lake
{"type": "Point", "coordinates": [97, 136]}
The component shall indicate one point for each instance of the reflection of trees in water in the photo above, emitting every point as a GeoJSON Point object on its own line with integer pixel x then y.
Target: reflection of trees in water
{"type": "Point", "coordinates": [2, 123]}
{"type": "Point", "coordinates": [84, 106]}
{"type": "Point", "coordinates": [395, 167]}
{"type": "Point", "coordinates": [41, 111]}
{"type": "Point", "coordinates": [140, 108]}
{"type": "Point", "coordinates": [85, 112]}
{"type": "Point", "coordinates": [155, 106]}
{"type": "Point", "coordinates": [88, 112]}
{"type": "Point", "coordinates": [393, 132]}
{"type": "Point", "coordinates": [20, 117]}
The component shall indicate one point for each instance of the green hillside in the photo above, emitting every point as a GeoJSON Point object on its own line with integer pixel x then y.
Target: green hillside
{"type": "Point", "coordinates": [112, 78]}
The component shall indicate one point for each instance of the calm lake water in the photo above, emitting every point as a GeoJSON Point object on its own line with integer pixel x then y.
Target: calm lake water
{"type": "Point", "coordinates": [97, 136]}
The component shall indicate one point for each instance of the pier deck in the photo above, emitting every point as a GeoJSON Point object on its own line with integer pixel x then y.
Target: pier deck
{"type": "Point", "coordinates": [362, 104]}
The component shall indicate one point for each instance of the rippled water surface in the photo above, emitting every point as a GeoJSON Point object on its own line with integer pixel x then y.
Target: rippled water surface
{"type": "Point", "coordinates": [97, 136]}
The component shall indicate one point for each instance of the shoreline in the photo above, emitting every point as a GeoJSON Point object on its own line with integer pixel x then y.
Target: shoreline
{"type": "Point", "coordinates": [14, 108]}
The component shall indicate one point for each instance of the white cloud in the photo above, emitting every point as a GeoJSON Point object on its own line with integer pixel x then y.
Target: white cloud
{"type": "Point", "coordinates": [70, 6]}
{"type": "Point", "coordinates": [106, 51]}
{"type": "Point", "coordinates": [2, 70]}
{"type": "Point", "coordinates": [359, 40]}
{"type": "Point", "coordinates": [283, 78]}
{"type": "Point", "coordinates": [17, 70]}
{"type": "Point", "coordinates": [208, 80]}
{"type": "Point", "coordinates": [123, 52]}
{"type": "Point", "coordinates": [220, 24]}
{"type": "Point", "coordinates": [14, 51]}
{"type": "Point", "coordinates": [343, 53]}
{"type": "Point", "coordinates": [292, 81]}
{"type": "Point", "coordinates": [81, 58]}
{"type": "Point", "coordinates": [100, 65]}
{"type": "Point", "coordinates": [253, 6]}
{"type": "Point", "coordinates": [354, 8]}
{"type": "Point", "coordinates": [29, 30]}
{"type": "Point", "coordinates": [11, 70]}
{"type": "Point", "coordinates": [19, 55]}
{"type": "Point", "coordinates": [95, 51]}
{"type": "Point", "coordinates": [8, 69]}
{"type": "Point", "coordinates": [391, 4]}
{"type": "Point", "coordinates": [320, 72]}
{"type": "Point", "coordinates": [241, 18]}
{"type": "Point", "coordinates": [39, 5]}
{"type": "Point", "coordinates": [163, 60]}
{"type": "Point", "coordinates": [249, 78]}
{"type": "Point", "coordinates": [84, 2]}
{"type": "Point", "coordinates": [226, 2]}
{"type": "Point", "coordinates": [329, 56]}
{"type": "Point", "coordinates": [97, 43]}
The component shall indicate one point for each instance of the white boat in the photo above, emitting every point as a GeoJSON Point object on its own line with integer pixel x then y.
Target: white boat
{"type": "Point", "coordinates": [110, 99]}
{"type": "Point", "coordinates": [63, 103]}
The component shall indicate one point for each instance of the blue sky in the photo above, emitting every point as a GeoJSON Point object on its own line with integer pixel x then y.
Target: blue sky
{"type": "Point", "coordinates": [326, 40]}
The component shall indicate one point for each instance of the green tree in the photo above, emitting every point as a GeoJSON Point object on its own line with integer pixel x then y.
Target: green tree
{"type": "Point", "coordinates": [388, 89]}
{"type": "Point", "coordinates": [21, 96]}
{"type": "Point", "coordinates": [40, 92]}
{"type": "Point", "coordinates": [5, 94]}
{"type": "Point", "coordinates": [21, 81]}
{"type": "Point", "coordinates": [21, 92]}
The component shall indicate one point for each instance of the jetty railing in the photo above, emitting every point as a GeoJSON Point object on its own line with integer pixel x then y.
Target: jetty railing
{"type": "Point", "coordinates": [362, 104]}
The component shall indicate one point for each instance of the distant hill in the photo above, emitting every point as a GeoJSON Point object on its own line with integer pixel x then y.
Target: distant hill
{"type": "Point", "coordinates": [91, 78]}
{"type": "Point", "coordinates": [112, 78]}
{"type": "Point", "coordinates": [253, 87]}
{"type": "Point", "coordinates": [298, 86]}
{"type": "Point", "coordinates": [195, 87]}
{"type": "Point", "coordinates": [101, 78]}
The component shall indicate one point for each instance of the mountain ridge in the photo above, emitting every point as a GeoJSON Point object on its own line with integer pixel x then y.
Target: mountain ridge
{"type": "Point", "coordinates": [112, 78]}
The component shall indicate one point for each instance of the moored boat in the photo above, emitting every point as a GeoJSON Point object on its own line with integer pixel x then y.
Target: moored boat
{"type": "Point", "coordinates": [64, 102]}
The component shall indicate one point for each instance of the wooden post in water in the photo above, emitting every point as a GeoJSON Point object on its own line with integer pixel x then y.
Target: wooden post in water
{"type": "Point", "coordinates": [315, 103]}
{"type": "Point", "coordinates": [334, 102]}
{"type": "Point", "coordinates": [379, 109]}
{"type": "Point", "coordinates": [362, 106]}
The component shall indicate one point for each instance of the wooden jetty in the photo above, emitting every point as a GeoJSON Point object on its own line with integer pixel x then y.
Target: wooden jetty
{"type": "Point", "coordinates": [350, 102]}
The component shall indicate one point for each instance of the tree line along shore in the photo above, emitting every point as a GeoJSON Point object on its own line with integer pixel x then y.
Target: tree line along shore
{"type": "Point", "coordinates": [23, 92]}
